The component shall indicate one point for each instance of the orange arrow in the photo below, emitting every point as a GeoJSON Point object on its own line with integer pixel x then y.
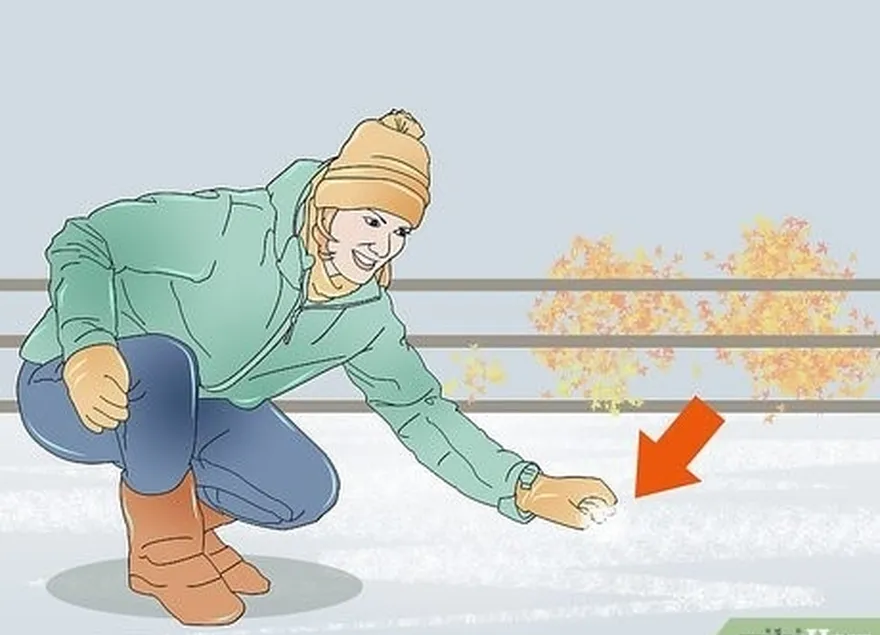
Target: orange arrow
{"type": "Point", "coordinates": [663, 464]}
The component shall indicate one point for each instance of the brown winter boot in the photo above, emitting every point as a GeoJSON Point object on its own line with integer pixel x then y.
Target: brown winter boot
{"type": "Point", "coordinates": [166, 557]}
{"type": "Point", "coordinates": [241, 576]}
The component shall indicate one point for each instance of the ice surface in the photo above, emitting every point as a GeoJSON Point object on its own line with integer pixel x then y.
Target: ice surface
{"type": "Point", "coordinates": [786, 521]}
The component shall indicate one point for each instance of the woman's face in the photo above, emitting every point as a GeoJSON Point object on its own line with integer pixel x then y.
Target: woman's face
{"type": "Point", "coordinates": [363, 240]}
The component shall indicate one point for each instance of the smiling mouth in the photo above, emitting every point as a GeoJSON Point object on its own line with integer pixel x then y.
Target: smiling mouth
{"type": "Point", "coordinates": [363, 262]}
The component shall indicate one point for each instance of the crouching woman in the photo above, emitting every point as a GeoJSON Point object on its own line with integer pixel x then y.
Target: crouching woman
{"type": "Point", "coordinates": [175, 318]}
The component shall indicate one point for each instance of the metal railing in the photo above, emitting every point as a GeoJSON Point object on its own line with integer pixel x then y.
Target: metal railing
{"type": "Point", "coordinates": [532, 285]}
{"type": "Point", "coordinates": [538, 341]}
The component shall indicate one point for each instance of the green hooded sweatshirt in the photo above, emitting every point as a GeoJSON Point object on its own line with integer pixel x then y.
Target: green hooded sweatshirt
{"type": "Point", "coordinates": [224, 271]}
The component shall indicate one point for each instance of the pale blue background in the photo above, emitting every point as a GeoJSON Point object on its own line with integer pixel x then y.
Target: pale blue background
{"type": "Point", "coordinates": [666, 123]}
{"type": "Point", "coordinates": [657, 122]}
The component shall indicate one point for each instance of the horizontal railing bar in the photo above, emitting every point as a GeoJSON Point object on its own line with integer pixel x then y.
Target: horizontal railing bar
{"type": "Point", "coordinates": [580, 406]}
{"type": "Point", "coordinates": [514, 285]}
{"type": "Point", "coordinates": [488, 341]}
{"type": "Point", "coordinates": [644, 341]}
{"type": "Point", "coordinates": [533, 285]}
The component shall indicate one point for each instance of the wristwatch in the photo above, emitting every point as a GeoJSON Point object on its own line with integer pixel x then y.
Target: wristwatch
{"type": "Point", "coordinates": [528, 475]}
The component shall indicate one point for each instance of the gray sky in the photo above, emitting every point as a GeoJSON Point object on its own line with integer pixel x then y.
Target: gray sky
{"type": "Point", "coordinates": [658, 123]}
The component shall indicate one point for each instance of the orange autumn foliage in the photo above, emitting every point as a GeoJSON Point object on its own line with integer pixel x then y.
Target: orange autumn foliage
{"type": "Point", "coordinates": [785, 250]}
{"type": "Point", "coordinates": [602, 375]}
{"type": "Point", "coordinates": [770, 250]}
{"type": "Point", "coordinates": [477, 375]}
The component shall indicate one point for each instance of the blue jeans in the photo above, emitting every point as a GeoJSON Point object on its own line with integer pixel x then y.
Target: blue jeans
{"type": "Point", "coordinates": [254, 465]}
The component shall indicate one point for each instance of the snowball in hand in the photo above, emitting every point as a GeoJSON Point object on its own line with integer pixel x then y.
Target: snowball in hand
{"type": "Point", "coordinates": [598, 510]}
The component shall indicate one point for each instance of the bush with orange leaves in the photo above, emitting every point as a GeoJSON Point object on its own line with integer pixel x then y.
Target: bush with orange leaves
{"type": "Point", "coordinates": [603, 375]}
{"type": "Point", "coordinates": [785, 251]}
{"type": "Point", "coordinates": [770, 251]}
{"type": "Point", "coordinates": [478, 374]}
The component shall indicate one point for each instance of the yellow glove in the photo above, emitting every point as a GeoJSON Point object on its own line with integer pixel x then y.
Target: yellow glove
{"type": "Point", "coordinates": [97, 381]}
{"type": "Point", "coordinates": [567, 500]}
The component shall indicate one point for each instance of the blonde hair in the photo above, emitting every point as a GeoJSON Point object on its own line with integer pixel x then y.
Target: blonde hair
{"type": "Point", "coordinates": [321, 285]}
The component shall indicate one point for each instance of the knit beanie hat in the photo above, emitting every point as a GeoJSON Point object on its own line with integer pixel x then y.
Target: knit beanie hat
{"type": "Point", "coordinates": [383, 165]}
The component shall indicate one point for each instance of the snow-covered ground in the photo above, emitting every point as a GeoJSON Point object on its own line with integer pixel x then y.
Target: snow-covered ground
{"type": "Point", "coordinates": [786, 522]}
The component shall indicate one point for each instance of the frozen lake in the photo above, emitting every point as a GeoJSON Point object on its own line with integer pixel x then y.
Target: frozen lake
{"type": "Point", "coordinates": [786, 522]}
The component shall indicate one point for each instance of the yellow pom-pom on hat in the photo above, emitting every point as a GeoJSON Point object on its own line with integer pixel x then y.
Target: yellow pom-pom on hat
{"type": "Point", "coordinates": [383, 165]}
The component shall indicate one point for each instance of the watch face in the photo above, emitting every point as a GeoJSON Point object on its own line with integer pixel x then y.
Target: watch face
{"type": "Point", "coordinates": [527, 477]}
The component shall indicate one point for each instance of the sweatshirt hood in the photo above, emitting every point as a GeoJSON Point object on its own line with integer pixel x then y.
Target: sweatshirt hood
{"type": "Point", "coordinates": [288, 193]}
